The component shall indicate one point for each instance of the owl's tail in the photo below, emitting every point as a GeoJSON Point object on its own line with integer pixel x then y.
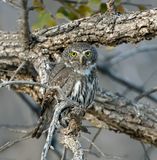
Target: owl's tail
{"type": "Point", "coordinates": [39, 129]}
{"type": "Point", "coordinates": [45, 115]}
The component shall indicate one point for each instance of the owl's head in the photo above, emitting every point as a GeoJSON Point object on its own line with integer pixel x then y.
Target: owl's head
{"type": "Point", "coordinates": [80, 56]}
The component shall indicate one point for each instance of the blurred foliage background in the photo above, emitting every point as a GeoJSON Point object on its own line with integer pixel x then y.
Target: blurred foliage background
{"type": "Point", "coordinates": [75, 9]}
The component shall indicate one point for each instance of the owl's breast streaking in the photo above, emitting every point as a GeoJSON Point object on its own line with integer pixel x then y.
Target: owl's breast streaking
{"type": "Point", "coordinates": [84, 90]}
{"type": "Point", "coordinates": [79, 87]}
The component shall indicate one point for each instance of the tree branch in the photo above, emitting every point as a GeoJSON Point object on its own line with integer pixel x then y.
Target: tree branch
{"type": "Point", "coordinates": [117, 112]}
{"type": "Point", "coordinates": [25, 34]}
{"type": "Point", "coordinates": [101, 29]}
{"type": "Point", "coordinates": [121, 115]}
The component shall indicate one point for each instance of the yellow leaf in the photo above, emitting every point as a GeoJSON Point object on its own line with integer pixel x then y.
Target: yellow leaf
{"type": "Point", "coordinates": [38, 5]}
{"type": "Point", "coordinates": [84, 10]}
{"type": "Point", "coordinates": [120, 9]}
{"type": "Point", "coordinates": [44, 19]}
{"type": "Point", "coordinates": [141, 7]}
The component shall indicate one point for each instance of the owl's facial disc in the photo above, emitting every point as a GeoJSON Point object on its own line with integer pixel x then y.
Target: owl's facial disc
{"type": "Point", "coordinates": [80, 56]}
{"type": "Point", "coordinates": [80, 60]}
{"type": "Point", "coordinates": [82, 63]}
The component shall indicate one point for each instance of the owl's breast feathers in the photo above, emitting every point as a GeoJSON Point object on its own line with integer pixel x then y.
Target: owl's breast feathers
{"type": "Point", "coordinates": [78, 87]}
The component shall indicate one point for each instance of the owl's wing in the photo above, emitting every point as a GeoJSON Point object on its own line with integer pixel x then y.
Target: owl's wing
{"type": "Point", "coordinates": [63, 77]}
{"type": "Point", "coordinates": [48, 102]}
{"type": "Point", "coordinates": [46, 113]}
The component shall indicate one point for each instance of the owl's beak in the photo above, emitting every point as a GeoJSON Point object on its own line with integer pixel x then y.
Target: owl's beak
{"type": "Point", "coordinates": [82, 60]}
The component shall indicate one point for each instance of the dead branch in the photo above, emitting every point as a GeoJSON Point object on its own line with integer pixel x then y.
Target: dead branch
{"type": "Point", "coordinates": [121, 115]}
{"type": "Point", "coordinates": [111, 7]}
{"type": "Point", "coordinates": [53, 125]}
{"type": "Point", "coordinates": [107, 156]}
{"type": "Point", "coordinates": [144, 94]}
{"type": "Point", "coordinates": [25, 31]}
{"type": "Point", "coordinates": [11, 143]}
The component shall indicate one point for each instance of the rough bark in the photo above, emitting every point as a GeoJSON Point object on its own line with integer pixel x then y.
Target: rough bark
{"type": "Point", "coordinates": [117, 112]}
{"type": "Point", "coordinates": [121, 115]}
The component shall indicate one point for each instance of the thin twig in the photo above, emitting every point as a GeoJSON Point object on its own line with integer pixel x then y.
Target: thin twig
{"type": "Point", "coordinates": [100, 151]}
{"type": "Point", "coordinates": [111, 7]}
{"type": "Point", "coordinates": [92, 153]}
{"type": "Point", "coordinates": [145, 94]}
{"type": "Point", "coordinates": [123, 81]}
{"type": "Point", "coordinates": [17, 128]}
{"type": "Point", "coordinates": [59, 107]}
{"type": "Point", "coordinates": [22, 82]}
{"type": "Point", "coordinates": [25, 31]}
{"type": "Point", "coordinates": [75, 2]}
{"type": "Point", "coordinates": [145, 151]}
{"type": "Point", "coordinates": [17, 70]}
{"type": "Point", "coordinates": [11, 143]}
{"type": "Point", "coordinates": [95, 136]}
{"type": "Point", "coordinates": [64, 153]}
{"type": "Point", "coordinates": [12, 3]}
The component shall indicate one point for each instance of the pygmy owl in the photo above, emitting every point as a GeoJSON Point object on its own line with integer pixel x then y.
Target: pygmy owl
{"type": "Point", "coordinates": [76, 76]}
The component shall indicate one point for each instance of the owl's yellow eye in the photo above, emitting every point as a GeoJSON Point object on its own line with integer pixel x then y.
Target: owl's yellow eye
{"type": "Point", "coordinates": [72, 54]}
{"type": "Point", "coordinates": [88, 54]}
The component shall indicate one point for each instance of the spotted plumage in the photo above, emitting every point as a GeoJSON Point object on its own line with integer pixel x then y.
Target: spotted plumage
{"type": "Point", "coordinates": [76, 76]}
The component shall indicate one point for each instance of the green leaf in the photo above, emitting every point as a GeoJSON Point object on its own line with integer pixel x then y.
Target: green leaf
{"type": "Point", "coordinates": [84, 10]}
{"type": "Point", "coordinates": [44, 19]}
{"type": "Point", "coordinates": [103, 8]}
{"type": "Point", "coordinates": [62, 13]}
{"type": "Point", "coordinates": [38, 5]}
{"type": "Point", "coordinates": [117, 2]}
{"type": "Point", "coordinates": [94, 3]}
{"type": "Point", "coordinates": [142, 7]}
{"type": "Point", "coordinates": [72, 16]}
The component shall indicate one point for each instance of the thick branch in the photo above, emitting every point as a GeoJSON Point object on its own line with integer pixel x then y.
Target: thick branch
{"type": "Point", "coordinates": [102, 29]}
{"type": "Point", "coordinates": [121, 115]}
